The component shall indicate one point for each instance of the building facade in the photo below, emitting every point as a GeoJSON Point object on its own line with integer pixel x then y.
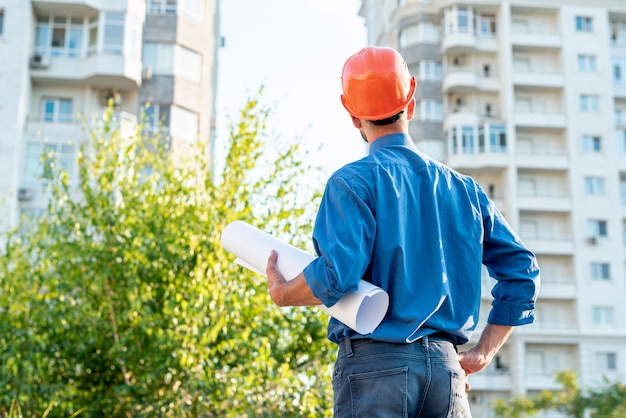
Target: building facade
{"type": "Point", "coordinates": [529, 98]}
{"type": "Point", "coordinates": [62, 62]}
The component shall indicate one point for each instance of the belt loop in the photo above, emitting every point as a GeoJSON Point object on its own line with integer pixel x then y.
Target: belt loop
{"type": "Point", "coordinates": [347, 342]}
{"type": "Point", "coordinates": [424, 341]}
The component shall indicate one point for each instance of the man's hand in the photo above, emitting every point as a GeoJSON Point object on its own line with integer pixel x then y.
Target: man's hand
{"type": "Point", "coordinates": [478, 357]}
{"type": "Point", "coordinates": [284, 292]}
{"type": "Point", "coordinates": [275, 279]}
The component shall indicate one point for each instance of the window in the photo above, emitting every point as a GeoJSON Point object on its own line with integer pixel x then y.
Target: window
{"type": "Point", "coordinates": [600, 271]}
{"type": "Point", "coordinates": [169, 59]}
{"type": "Point", "coordinates": [60, 36]}
{"type": "Point", "coordinates": [619, 70]}
{"type": "Point", "coordinates": [157, 117]}
{"type": "Point", "coordinates": [162, 6]}
{"type": "Point", "coordinates": [589, 103]}
{"type": "Point", "coordinates": [187, 64]}
{"type": "Point", "coordinates": [486, 26]}
{"type": "Point", "coordinates": [1, 22]}
{"type": "Point", "coordinates": [584, 24]}
{"type": "Point", "coordinates": [57, 110]}
{"type": "Point", "coordinates": [429, 110]}
{"type": "Point", "coordinates": [594, 185]}
{"type": "Point", "coordinates": [429, 70]}
{"type": "Point", "coordinates": [618, 33]}
{"type": "Point", "coordinates": [496, 135]}
{"type": "Point", "coordinates": [467, 139]}
{"type": "Point", "coordinates": [184, 124]}
{"type": "Point", "coordinates": [41, 158]}
{"type": "Point", "coordinates": [192, 9]}
{"type": "Point", "coordinates": [113, 33]}
{"type": "Point", "coordinates": [464, 17]}
{"type": "Point", "coordinates": [602, 315]}
{"type": "Point", "coordinates": [606, 361]}
{"type": "Point", "coordinates": [426, 32]}
{"type": "Point", "coordinates": [586, 63]}
{"type": "Point", "coordinates": [622, 191]}
{"type": "Point", "coordinates": [597, 228]}
{"type": "Point", "coordinates": [592, 143]}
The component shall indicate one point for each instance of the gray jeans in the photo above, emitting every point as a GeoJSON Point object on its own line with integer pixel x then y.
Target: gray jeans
{"type": "Point", "coordinates": [423, 379]}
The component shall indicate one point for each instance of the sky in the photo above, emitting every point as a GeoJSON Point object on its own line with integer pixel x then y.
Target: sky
{"type": "Point", "coordinates": [295, 49]}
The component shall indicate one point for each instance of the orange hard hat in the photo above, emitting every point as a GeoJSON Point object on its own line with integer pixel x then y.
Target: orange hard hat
{"type": "Point", "coordinates": [376, 83]}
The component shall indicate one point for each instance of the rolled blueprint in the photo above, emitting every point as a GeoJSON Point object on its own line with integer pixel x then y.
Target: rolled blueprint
{"type": "Point", "coordinates": [361, 310]}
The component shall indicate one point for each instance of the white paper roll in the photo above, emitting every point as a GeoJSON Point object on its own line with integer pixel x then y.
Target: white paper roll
{"type": "Point", "coordinates": [362, 310]}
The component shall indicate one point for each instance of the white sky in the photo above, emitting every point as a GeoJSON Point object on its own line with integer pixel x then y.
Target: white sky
{"type": "Point", "coordinates": [296, 50]}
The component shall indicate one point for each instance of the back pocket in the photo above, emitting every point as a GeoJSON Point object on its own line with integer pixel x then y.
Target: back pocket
{"type": "Point", "coordinates": [381, 393]}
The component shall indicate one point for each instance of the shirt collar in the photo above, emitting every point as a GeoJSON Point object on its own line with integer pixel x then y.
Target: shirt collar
{"type": "Point", "coordinates": [391, 140]}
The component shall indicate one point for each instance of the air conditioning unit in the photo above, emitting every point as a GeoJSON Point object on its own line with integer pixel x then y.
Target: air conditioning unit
{"type": "Point", "coordinates": [39, 61]}
{"type": "Point", "coordinates": [112, 97]}
{"type": "Point", "coordinates": [24, 194]}
{"type": "Point", "coordinates": [592, 240]}
{"type": "Point", "coordinates": [146, 73]}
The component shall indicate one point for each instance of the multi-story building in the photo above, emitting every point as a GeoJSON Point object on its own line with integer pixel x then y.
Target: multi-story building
{"type": "Point", "coordinates": [529, 97]}
{"type": "Point", "coordinates": [64, 61]}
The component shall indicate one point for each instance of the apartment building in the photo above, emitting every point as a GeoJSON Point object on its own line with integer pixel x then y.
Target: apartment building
{"type": "Point", "coordinates": [529, 97]}
{"type": "Point", "coordinates": [63, 61]}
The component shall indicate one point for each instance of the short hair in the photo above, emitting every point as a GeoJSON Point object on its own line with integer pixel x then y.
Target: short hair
{"type": "Point", "coordinates": [388, 120]}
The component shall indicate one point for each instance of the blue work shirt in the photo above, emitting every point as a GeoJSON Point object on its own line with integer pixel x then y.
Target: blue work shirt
{"type": "Point", "coordinates": [421, 231]}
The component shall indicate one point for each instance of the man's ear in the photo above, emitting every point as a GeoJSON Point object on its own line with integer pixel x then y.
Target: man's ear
{"type": "Point", "coordinates": [410, 112]}
{"type": "Point", "coordinates": [356, 122]}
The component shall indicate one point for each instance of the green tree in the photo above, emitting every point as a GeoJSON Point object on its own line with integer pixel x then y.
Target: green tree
{"type": "Point", "coordinates": [608, 401]}
{"type": "Point", "coordinates": [121, 302]}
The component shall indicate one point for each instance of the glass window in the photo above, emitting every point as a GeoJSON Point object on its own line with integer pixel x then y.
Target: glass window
{"type": "Point", "coordinates": [497, 138]}
{"type": "Point", "coordinates": [589, 103]}
{"type": "Point", "coordinates": [602, 315]}
{"type": "Point", "coordinates": [42, 159]}
{"type": "Point", "coordinates": [606, 361]}
{"type": "Point", "coordinates": [157, 117]}
{"type": "Point", "coordinates": [160, 57]}
{"type": "Point", "coordinates": [584, 24]}
{"type": "Point", "coordinates": [427, 32]}
{"type": "Point", "coordinates": [113, 33]}
{"type": "Point", "coordinates": [594, 185]}
{"type": "Point", "coordinates": [60, 36]}
{"type": "Point", "coordinates": [597, 228]}
{"type": "Point", "coordinates": [467, 139]}
{"type": "Point", "coordinates": [618, 33]}
{"type": "Point", "coordinates": [463, 19]}
{"type": "Point", "coordinates": [600, 271]}
{"type": "Point", "coordinates": [192, 9]}
{"type": "Point", "coordinates": [429, 110]}
{"type": "Point", "coordinates": [188, 64]}
{"type": "Point", "coordinates": [162, 6]}
{"type": "Point", "coordinates": [586, 63]}
{"type": "Point", "coordinates": [430, 70]}
{"type": "Point", "coordinates": [57, 110]}
{"type": "Point", "coordinates": [184, 124]}
{"type": "Point", "coordinates": [1, 22]}
{"type": "Point", "coordinates": [592, 143]}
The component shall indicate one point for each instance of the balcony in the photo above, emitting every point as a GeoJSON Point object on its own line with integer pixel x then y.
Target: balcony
{"type": "Point", "coordinates": [550, 244]}
{"type": "Point", "coordinates": [460, 42]}
{"type": "Point", "coordinates": [565, 289]}
{"type": "Point", "coordinates": [543, 159]}
{"type": "Point", "coordinates": [536, 38]}
{"type": "Point", "coordinates": [539, 78]}
{"type": "Point", "coordinates": [99, 70]}
{"type": "Point", "coordinates": [468, 80]}
{"type": "Point", "coordinates": [545, 201]}
{"type": "Point", "coordinates": [539, 118]}
{"type": "Point", "coordinates": [79, 7]}
{"type": "Point", "coordinates": [490, 380]}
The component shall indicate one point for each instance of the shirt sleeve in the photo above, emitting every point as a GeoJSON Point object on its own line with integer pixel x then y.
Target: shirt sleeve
{"type": "Point", "coordinates": [514, 267]}
{"type": "Point", "coordinates": [343, 238]}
